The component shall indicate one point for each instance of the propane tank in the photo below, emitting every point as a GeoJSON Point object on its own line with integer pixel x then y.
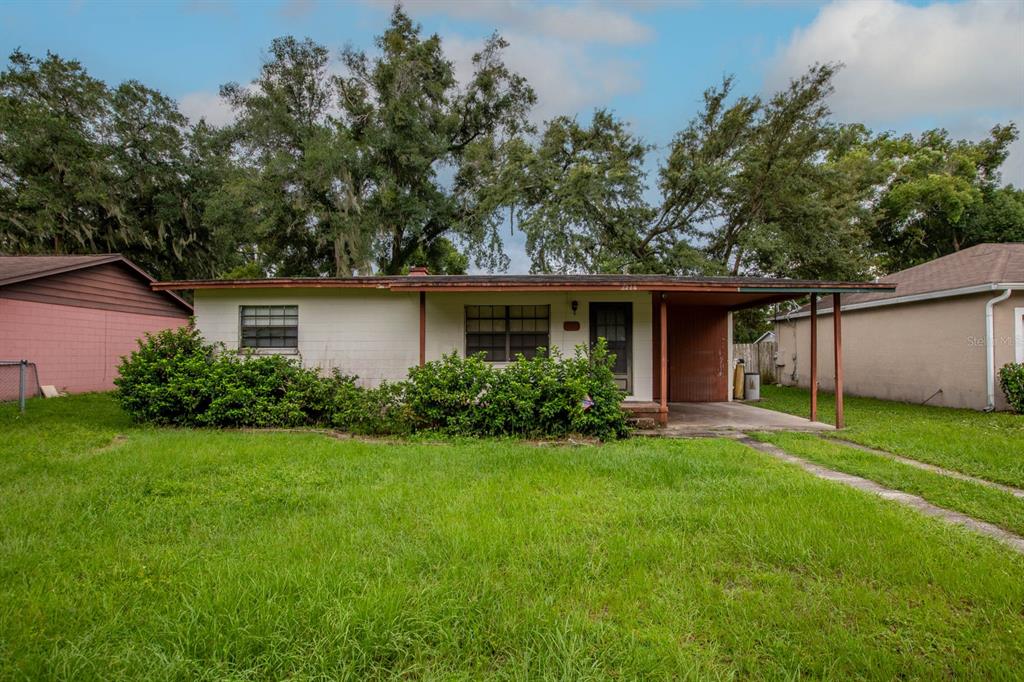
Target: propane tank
{"type": "Point", "coordinates": [737, 381]}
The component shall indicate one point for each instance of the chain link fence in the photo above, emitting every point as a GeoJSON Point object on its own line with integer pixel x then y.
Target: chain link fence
{"type": "Point", "coordinates": [19, 379]}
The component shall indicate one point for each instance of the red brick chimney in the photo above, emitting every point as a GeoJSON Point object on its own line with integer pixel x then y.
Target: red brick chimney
{"type": "Point", "coordinates": [418, 271]}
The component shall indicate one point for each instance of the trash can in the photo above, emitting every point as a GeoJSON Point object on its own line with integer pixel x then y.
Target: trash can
{"type": "Point", "coordinates": [751, 386]}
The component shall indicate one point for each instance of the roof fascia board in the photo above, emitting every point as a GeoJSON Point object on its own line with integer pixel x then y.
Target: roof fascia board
{"type": "Point", "coordinates": [913, 298]}
{"type": "Point", "coordinates": [859, 289]}
{"type": "Point", "coordinates": [412, 285]}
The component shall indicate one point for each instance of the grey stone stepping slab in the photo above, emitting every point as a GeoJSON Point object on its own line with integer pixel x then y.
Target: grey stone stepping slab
{"type": "Point", "coordinates": [1016, 492]}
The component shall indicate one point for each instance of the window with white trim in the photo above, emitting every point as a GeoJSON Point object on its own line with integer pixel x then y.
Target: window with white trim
{"type": "Point", "coordinates": [269, 326]}
{"type": "Point", "coordinates": [504, 331]}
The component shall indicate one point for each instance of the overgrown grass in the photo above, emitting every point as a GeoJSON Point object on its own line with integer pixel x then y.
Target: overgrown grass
{"type": "Point", "coordinates": [197, 554]}
{"type": "Point", "coordinates": [989, 446]}
{"type": "Point", "coordinates": [988, 504]}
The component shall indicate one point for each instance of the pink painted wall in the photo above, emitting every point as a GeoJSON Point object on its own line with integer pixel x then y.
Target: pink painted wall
{"type": "Point", "coordinates": [75, 349]}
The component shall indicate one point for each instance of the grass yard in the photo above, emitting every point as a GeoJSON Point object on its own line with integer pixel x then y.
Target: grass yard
{"type": "Point", "coordinates": [989, 446]}
{"type": "Point", "coordinates": [974, 499]}
{"type": "Point", "coordinates": [131, 552]}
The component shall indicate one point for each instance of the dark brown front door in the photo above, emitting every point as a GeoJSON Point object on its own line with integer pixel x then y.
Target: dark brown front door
{"type": "Point", "coordinates": [614, 323]}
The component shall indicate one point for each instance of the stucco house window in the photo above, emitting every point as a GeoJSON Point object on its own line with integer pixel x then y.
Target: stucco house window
{"type": "Point", "coordinates": [269, 326]}
{"type": "Point", "coordinates": [503, 331]}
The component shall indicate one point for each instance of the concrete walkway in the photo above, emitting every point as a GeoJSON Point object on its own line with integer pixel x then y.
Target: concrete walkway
{"type": "Point", "coordinates": [919, 504]}
{"type": "Point", "coordinates": [1016, 492]}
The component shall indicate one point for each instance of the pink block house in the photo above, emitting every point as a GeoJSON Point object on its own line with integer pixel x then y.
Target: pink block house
{"type": "Point", "coordinates": [75, 316]}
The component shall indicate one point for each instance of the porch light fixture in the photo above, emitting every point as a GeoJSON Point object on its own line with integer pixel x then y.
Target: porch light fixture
{"type": "Point", "coordinates": [575, 305]}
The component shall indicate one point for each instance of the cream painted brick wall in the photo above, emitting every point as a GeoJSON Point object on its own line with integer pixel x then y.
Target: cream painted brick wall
{"type": "Point", "coordinates": [372, 334]}
{"type": "Point", "coordinates": [446, 322]}
{"type": "Point", "coordinates": [375, 334]}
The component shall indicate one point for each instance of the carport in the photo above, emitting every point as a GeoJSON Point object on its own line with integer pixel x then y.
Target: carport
{"type": "Point", "coordinates": [693, 341]}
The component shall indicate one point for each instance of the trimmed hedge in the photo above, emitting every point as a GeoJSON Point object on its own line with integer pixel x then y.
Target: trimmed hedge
{"type": "Point", "coordinates": [1011, 379]}
{"type": "Point", "coordinates": [175, 378]}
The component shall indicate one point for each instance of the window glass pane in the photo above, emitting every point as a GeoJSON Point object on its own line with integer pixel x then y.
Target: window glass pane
{"type": "Point", "coordinates": [491, 329]}
{"type": "Point", "coordinates": [269, 326]}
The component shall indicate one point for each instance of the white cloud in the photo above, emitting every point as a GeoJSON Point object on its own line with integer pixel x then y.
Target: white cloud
{"type": "Point", "coordinates": [577, 22]}
{"type": "Point", "coordinates": [208, 105]}
{"type": "Point", "coordinates": [297, 8]}
{"type": "Point", "coordinates": [567, 52]}
{"type": "Point", "coordinates": [567, 77]}
{"type": "Point", "coordinates": [904, 61]}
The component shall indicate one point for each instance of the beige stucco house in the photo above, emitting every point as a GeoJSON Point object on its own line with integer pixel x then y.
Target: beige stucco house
{"type": "Point", "coordinates": [939, 338]}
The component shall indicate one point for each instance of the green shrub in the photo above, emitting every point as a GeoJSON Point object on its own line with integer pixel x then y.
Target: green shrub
{"type": "Point", "coordinates": [1011, 379]}
{"type": "Point", "coordinates": [546, 395]}
{"type": "Point", "coordinates": [372, 411]}
{"type": "Point", "coordinates": [600, 412]}
{"type": "Point", "coordinates": [444, 395]}
{"type": "Point", "coordinates": [166, 381]}
{"type": "Point", "coordinates": [175, 378]}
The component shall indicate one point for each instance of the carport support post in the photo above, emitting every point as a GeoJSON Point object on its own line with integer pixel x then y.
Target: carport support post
{"type": "Point", "coordinates": [423, 328]}
{"type": "Point", "coordinates": [814, 357]}
{"type": "Point", "coordinates": [837, 334]}
{"type": "Point", "coordinates": [663, 360]}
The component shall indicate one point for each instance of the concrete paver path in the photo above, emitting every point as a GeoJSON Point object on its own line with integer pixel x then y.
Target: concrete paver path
{"type": "Point", "coordinates": [1009, 539]}
{"type": "Point", "coordinates": [1016, 492]}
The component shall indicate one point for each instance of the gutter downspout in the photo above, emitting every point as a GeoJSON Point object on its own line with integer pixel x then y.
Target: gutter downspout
{"type": "Point", "coordinates": [990, 349]}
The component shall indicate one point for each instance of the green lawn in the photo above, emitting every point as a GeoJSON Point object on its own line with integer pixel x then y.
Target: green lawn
{"type": "Point", "coordinates": [145, 553]}
{"type": "Point", "coordinates": [989, 446]}
{"type": "Point", "coordinates": [974, 499]}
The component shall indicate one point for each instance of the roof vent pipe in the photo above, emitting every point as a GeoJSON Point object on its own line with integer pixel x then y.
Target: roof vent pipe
{"type": "Point", "coordinates": [990, 349]}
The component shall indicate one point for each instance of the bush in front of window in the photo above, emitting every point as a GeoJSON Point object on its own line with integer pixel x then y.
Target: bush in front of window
{"type": "Point", "coordinates": [175, 378]}
{"type": "Point", "coordinates": [1011, 379]}
{"type": "Point", "coordinates": [546, 395]}
{"type": "Point", "coordinates": [444, 395]}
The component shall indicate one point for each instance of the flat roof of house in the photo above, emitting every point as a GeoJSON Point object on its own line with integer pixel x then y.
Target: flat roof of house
{"type": "Point", "coordinates": [538, 283]}
{"type": "Point", "coordinates": [733, 292]}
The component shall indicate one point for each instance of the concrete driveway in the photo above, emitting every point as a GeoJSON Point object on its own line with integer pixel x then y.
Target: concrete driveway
{"type": "Point", "coordinates": [693, 419]}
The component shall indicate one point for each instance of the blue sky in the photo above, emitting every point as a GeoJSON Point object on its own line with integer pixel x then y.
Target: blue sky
{"type": "Point", "coordinates": [909, 65]}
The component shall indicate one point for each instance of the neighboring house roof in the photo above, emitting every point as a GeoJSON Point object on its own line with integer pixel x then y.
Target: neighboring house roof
{"type": "Point", "coordinates": [736, 292]}
{"type": "Point", "coordinates": [19, 269]}
{"type": "Point", "coordinates": [974, 270]}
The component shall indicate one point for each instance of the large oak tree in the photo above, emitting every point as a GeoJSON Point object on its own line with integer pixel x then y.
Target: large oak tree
{"type": "Point", "coordinates": [389, 162]}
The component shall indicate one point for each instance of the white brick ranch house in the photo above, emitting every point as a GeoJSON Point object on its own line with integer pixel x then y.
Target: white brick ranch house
{"type": "Point", "coordinates": [665, 331]}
